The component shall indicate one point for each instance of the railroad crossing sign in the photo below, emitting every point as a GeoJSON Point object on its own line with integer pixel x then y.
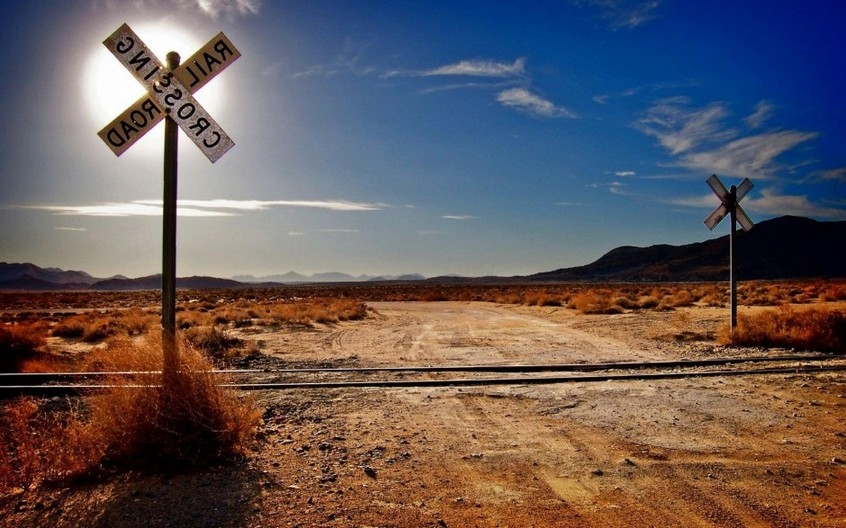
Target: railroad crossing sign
{"type": "Point", "coordinates": [169, 93]}
{"type": "Point", "coordinates": [730, 206]}
{"type": "Point", "coordinates": [730, 201]}
{"type": "Point", "coordinates": [170, 90]}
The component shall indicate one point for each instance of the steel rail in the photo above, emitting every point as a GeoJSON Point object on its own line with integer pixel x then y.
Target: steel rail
{"type": "Point", "coordinates": [12, 378]}
{"type": "Point", "coordinates": [70, 390]}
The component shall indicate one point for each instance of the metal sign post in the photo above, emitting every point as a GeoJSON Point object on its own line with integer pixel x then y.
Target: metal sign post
{"type": "Point", "coordinates": [730, 205]}
{"type": "Point", "coordinates": [169, 97]}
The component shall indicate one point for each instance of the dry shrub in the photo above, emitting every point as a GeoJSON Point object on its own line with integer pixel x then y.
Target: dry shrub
{"type": "Point", "coordinates": [625, 303]}
{"type": "Point", "coordinates": [148, 421]}
{"type": "Point", "coordinates": [213, 340]}
{"type": "Point", "coordinates": [648, 302]}
{"type": "Point", "coordinates": [808, 329]}
{"type": "Point", "coordinates": [680, 298]}
{"type": "Point", "coordinates": [541, 298]}
{"type": "Point", "coordinates": [593, 302]}
{"type": "Point", "coordinates": [91, 327]}
{"type": "Point", "coordinates": [188, 417]}
{"type": "Point", "coordinates": [20, 343]}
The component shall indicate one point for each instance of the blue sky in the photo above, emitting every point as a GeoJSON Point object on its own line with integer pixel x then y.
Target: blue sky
{"type": "Point", "coordinates": [464, 137]}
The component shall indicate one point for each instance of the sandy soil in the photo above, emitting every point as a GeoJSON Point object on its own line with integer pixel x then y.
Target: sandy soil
{"type": "Point", "coordinates": [739, 451]}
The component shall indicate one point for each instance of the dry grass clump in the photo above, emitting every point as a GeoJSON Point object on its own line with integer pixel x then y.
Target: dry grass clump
{"type": "Point", "coordinates": [95, 326]}
{"type": "Point", "coordinates": [147, 422]}
{"type": "Point", "coordinates": [214, 340]}
{"type": "Point", "coordinates": [818, 329]}
{"type": "Point", "coordinates": [593, 302]}
{"type": "Point", "coordinates": [20, 343]}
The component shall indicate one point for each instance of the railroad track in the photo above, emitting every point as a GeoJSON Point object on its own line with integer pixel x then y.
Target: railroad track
{"type": "Point", "coordinates": [75, 383]}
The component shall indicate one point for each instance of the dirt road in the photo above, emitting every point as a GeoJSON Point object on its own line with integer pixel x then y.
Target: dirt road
{"type": "Point", "coordinates": [728, 452]}
{"type": "Point", "coordinates": [749, 451]}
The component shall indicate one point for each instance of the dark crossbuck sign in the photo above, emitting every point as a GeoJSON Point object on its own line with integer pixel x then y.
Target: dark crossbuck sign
{"type": "Point", "coordinates": [169, 93]}
{"type": "Point", "coordinates": [729, 199]}
{"type": "Point", "coordinates": [730, 206]}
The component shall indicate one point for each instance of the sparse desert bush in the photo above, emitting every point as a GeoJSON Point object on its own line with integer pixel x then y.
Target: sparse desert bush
{"type": "Point", "coordinates": [146, 422]}
{"type": "Point", "coordinates": [593, 302]}
{"type": "Point", "coordinates": [95, 326]}
{"type": "Point", "coordinates": [541, 298]}
{"type": "Point", "coordinates": [20, 343]}
{"type": "Point", "coordinates": [214, 340]}
{"type": "Point", "coordinates": [648, 302]}
{"type": "Point", "coordinates": [817, 329]}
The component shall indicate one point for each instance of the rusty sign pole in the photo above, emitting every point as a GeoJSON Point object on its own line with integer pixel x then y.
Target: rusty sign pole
{"type": "Point", "coordinates": [171, 148]}
{"type": "Point", "coordinates": [732, 200]}
{"type": "Point", "coordinates": [730, 206]}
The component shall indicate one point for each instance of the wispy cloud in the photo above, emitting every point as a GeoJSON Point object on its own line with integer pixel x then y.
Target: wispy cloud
{"type": "Point", "coordinates": [510, 78]}
{"type": "Point", "coordinates": [768, 202]}
{"type": "Point", "coordinates": [526, 101]}
{"type": "Point", "coordinates": [119, 209]}
{"type": "Point", "coordinates": [625, 174]}
{"type": "Point", "coordinates": [199, 208]}
{"type": "Point", "coordinates": [680, 128]}
{"type": "Point", "coordinates": [753, 156]}
{"type": "Point", "coordinates": [835, 175]}
{"type": "Point", "coordinates": [772, 203]}
{"type": "Point", "coordinates": [700, 139]}
{"type": "Point", "coordinates": [65, 228]}
{"type": "Point", "coordinates": [257, 205]}
{"type": "Point", "coordinates": [763, 111]}
{"type": "Point", "coordinates": [481, 68]}
{"type": "Point", "coordinates": [211, 8]}
{"type": "Point", "coordinates": [458, 217]}
{"type": "Point", "coordinates": [624, 14]}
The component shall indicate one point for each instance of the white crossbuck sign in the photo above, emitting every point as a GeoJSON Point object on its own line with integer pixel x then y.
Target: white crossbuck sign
{"type": "Point", "coordinates": [169, 93]}
{"type": "Point", "coordinates": [729, 199]}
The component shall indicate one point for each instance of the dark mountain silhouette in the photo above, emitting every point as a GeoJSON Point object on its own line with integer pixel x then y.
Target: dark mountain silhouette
{"type": "Point", "coordinates": [788, 247]}
{"type": "Point", "coordinates": [154, 282]}
{"type": "Point", "coordinates": [12, 272]}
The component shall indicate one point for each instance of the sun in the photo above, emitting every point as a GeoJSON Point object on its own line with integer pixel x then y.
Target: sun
{"type": "Point", "coordinates": [109, 88]}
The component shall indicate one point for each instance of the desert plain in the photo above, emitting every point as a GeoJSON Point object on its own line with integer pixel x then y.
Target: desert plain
{"type": "Point", "coordinates": [723, 451]}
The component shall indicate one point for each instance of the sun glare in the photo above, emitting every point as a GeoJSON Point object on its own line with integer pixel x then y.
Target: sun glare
{"type": "Point", "coordinates": [109, 88]}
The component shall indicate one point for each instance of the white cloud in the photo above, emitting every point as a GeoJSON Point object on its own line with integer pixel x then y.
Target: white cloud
{"type": "Point", "coordinates": [622, 14]}
{"type": "Point", "coordinates": [481, 68]}
{"type": "Point", "coordinates": [65, 228]}
{"type": "Point", "coordinates": [763, 111]}
{"type": "Point", "coordinates": [458, 217]}
{"type": "Point", "coordinates": [215, 8]}
{"type": "Point", "coordinates": [525, 101]}
{"type": "Point", "coordinates": [752, 157]}
{"type": "Point", "coordinates": [258, 205]}
{"type": "Point", "coordinates": [702, 141]}
{"type": "Point", "coordinates": [624, 174]}
{"type": "Point", "coordinates": [771, 203]}
{"type": "Point", "coordinates": [768, 203]}
{"type": "Point", "coordinates": [680, 129]}
{"type": "Point", "coordinates": [837, 175]}
{"type": "Point", "coordinates": [211, 8]}
{"type": "Point", "coordinates": [198, 208]}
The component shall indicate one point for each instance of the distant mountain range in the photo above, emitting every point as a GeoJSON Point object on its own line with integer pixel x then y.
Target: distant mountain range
{"type": "Point", "coordinates": [787, 247]}
{"type": "Point", "coordinates": [782, 248]}
{"type": "Point", "coordinates": [292, 277]}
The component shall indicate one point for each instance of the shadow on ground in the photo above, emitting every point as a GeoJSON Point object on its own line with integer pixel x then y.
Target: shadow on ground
{"type": "Point", "coordinates": [221, 497]}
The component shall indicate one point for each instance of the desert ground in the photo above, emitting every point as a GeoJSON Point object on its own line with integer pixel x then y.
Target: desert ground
{"type": "Point", "coordinates": [754, 450]}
